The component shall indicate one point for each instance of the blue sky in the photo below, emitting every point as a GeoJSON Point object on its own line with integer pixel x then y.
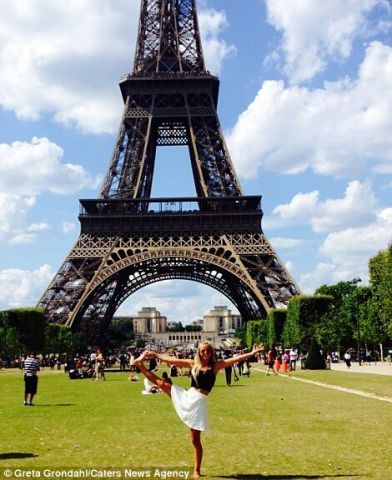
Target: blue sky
{"type": "Point", "coordinates": [305, 103]}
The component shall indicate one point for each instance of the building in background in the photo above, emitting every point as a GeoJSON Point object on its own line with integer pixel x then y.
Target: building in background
{"type": "Point", "coordinates": [184, 339]}
{"type": "Point", "coordinates": [216, 327]}
{"type": "Point", "coordinates": [221, 320]}
{"type": "Point", "coordinates": [149, 320]}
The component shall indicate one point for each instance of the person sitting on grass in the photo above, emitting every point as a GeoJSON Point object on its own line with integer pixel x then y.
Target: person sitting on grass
{"type": "Point", "coordinates": [191, 405]}
{"type": "Point", "coordinates": [150, 388]}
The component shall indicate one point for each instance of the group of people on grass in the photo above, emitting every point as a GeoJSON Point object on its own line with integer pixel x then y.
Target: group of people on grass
{"type": "Point", "coordinates": [281, 360]}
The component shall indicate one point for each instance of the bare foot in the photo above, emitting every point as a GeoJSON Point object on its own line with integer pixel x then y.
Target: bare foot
{"type": "Point", "coordinates": [196, 475]}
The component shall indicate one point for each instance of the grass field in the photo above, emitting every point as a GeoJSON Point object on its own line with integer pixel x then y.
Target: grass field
{"type": "Point", "coordinates": [261, 428]}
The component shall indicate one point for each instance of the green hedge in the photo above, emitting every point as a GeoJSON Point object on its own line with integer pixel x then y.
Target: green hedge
{"type": "Point", "coordinates": [22, 330]}
{"type": "Point", "coordinates": [304, 313]}
{"type": "Point", "coordinates": [276, 320]}
{"type": "Point", "coordinates": [256, 332]}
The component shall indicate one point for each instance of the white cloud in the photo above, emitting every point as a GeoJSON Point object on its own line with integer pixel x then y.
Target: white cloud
{"type": "Point", "coordinates": [30, 168]}
{"type": "Point", "coordinates": [14, 227]}
{"type": "Point", "coordinates": [13, 212]}
{"type": "Point", "coordinates": [65, 57]}
{"type": "Point", "coordinates": [22, 238]}
{"type": "Point", "coordinates": [338, 130]}
{"type": "Point", "coordinates": [357, 207]}
{"type": "Point", "coordinates": [68, 227]}
{"type": "Point", "coordinates": [22, 235]}
{"type": "Point", "coordinates": [23, 288]}
{"type": "Point", "coordinates": [301, 207]}
{"type": "Point", "coordinates": [348, 252]}
{"type": "Point", "coordinates": [324, 274]}
{"type": "Point", "coordinates": [290, 266]}
{"type": "Point", "coordinates": [284, 242]}
{"type": "Point", "coordinates": [215, 49]}
{"type": "Point", "coordinates": [38, 227]}
{"type": "Point", "coordinates": [317, 32]}
{"type": "Point", "coordinates": [353, 246]}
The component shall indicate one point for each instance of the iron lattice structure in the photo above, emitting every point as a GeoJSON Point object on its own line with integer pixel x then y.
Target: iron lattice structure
{"type": "Point", "coordinates": [129, 240]}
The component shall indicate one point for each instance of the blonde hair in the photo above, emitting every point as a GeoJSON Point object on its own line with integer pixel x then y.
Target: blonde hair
{"type": "Point", "coordinates": [197, 360]}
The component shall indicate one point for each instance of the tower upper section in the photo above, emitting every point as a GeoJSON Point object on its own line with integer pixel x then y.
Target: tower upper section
{"type": "Point", "coordinates": [168, 39]}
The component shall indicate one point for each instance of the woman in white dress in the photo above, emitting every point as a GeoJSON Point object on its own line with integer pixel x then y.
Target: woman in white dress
{"type": "Point", "coordinates": [191, 405]}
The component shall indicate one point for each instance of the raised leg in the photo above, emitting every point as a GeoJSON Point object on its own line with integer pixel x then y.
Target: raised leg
{"type": "Point", "coordinates": [159, 382]}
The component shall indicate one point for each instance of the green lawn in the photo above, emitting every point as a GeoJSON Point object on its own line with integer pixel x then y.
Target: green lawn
{"type": "Point", "coordinates": [261, 428]}
{"type": "Point", "coordinates": [376, 384]}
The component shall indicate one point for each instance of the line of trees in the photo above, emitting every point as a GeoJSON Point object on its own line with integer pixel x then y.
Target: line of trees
{"type": "Point", "coordinates": [179, 327]}
{"type": "Point", "coordinates": [338, 317]}
{"type": "Point", "coordinates": [24, 330]}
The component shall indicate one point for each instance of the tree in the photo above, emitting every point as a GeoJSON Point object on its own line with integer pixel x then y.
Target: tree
{"type": "Point", "coordinates": [338, 329]}
{"type": "Point", "coordinates": [276, 320]}
{"type": "Point", "coordinates": [60, 339]}
{"type": "Point", "coordinates": [24, 328]}
{"type": "Point", "coordinates": [119, 334]}
{"type": "Point", "coordinates": [304, 313]}
{"type": "Point", "coordinates": [240, 333]}
{"type": "Point", "coordinates": [292, 334]}
{"type": "Point", "coordinates": [193, 328]}
{"type": "Point", "coordinates": [380, 275]}
{"type": "Point", "coordinates": [53, 335]}
{"type": "Point", "coordinates": [176, 327]}
{"type": "Point", "coordinates": [370, 328]}
{"type": "Point", "coordinates": [256, 332]}
{"type": "Point", "coordinates": [10, 344]}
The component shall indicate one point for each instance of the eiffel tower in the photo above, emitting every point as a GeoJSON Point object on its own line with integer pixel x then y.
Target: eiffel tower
{"type": "Point", "coordinates": [129, 240]}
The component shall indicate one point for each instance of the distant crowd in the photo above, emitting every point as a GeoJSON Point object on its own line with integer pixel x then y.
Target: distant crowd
{"type": "Point", "coordinates": [276, 360]}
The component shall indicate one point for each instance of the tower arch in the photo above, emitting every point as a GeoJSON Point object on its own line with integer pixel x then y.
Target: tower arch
{"type": "Point", "coordinates": [134, 274]}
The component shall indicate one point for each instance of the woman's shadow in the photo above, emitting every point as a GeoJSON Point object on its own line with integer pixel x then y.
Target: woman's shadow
{"type": "Point", "coordinates": [13, 455]}
{"type": "Point", "coordinates": [256, 476]}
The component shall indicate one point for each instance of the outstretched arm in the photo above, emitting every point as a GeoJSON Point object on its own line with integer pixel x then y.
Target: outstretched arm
{"type": "Point", "coordinates": [169, 359]}
{"type": "Point", "coordinates": [240, 358]}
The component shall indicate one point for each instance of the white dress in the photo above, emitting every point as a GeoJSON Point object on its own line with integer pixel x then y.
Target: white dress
{"type": "Point", "coordinates": [191, 407]}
